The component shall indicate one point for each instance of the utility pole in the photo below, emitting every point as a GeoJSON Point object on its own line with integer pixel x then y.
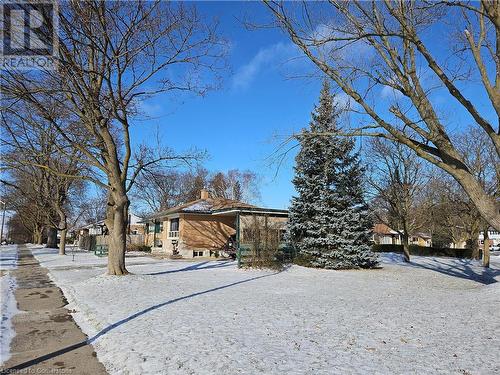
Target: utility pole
{"type": "Point", "coordinates": [3, 220]}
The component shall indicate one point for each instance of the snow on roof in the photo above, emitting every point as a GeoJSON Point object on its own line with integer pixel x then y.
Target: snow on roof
{"type": "Point", "coordinates": [206, 206]}
{"type": "Point", "coordinates": [202, 206]}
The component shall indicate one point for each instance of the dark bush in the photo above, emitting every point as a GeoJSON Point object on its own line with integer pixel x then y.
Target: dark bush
{"type": "Point", "coordinates": [425, 251]}
{"type": "Point", "coordinates": [135, 247]}
{"type": "Point", "coordinates": [304, 260]}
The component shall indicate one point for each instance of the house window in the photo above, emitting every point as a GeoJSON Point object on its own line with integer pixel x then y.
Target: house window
{"type": "Point", "coordinates": [174, 228]}
{"type": "Point", "coordinates": [174, 225]}
{"type": "Point", "coordinates": [197, 254]}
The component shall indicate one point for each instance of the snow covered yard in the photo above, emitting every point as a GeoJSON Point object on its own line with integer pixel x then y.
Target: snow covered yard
{"type": "Point", "coordinates": [8, 263]}
{"type": "Point", "coordinates": [438, 315]}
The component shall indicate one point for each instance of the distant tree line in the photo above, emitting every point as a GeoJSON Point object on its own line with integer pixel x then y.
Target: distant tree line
{"type": "Point", "coordinates": [330, 222]}
{"type": "Point", "coordinates": [410, 195]}
{"type": "Point", "coordinates": [111, 56]}
{"type": "Point", "coordinates": [381, 57]}
{"type": "Point", "coordinates": [160, 189]}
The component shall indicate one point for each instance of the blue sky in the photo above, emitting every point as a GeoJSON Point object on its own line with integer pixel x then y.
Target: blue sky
{"type": "Point", "coordinates": [241, 124]}
{"type": "Point", "coordinates": [237, 125]}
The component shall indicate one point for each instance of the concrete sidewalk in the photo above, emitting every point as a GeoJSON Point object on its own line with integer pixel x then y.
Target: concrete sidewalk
{"type": "Point", "coordinates": [47, 340]}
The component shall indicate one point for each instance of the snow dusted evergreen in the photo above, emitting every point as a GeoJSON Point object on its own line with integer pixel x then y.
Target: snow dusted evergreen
{"type": "Point", "coordinates": [329, 225]}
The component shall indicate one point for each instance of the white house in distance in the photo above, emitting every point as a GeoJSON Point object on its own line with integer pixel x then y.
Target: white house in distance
{"type": "Point", "coordinates": [493, 235]}
{"type": "Point", "coordinates": [99, 228]}
{"type": "Point", "coordinates": [383, 235]}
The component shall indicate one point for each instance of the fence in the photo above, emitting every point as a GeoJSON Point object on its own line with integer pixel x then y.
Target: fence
{"type": "Point", "coordinates": [89, 242]}
{"type": "Point", "coordinates": [256, 256]}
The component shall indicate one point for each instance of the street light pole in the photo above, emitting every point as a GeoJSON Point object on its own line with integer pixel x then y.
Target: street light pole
{"type": "Point", "coordinates": [3, 220]}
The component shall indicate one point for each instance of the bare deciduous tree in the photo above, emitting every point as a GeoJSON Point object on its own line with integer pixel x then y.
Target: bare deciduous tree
{"type": "Point", "coordinates": [396, 177]}
{"type": "Point", "coordinates": [47, 167]}
{"type": "Point", "coordinates": [113, 56]}
{"type": "Point", "coordinates": [235, 184]}
{"type": "Point", "coordinates": [160, 189]}
{"type": "Point", "coordinates": [370, 49]}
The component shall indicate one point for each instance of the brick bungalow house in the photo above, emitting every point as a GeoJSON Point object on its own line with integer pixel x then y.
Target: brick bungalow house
{"type": "Point", "coordinates": [384, 235]}
{"type": "Point", "coordinates": [203, 227]}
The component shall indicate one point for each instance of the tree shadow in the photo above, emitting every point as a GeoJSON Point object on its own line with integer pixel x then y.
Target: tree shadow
{"type": "Point", "coordinates": [466, 269]}
{"type": "Point", "coordinates": [111, 327]}
{"type": "Point", "coordinates": [195, 267]}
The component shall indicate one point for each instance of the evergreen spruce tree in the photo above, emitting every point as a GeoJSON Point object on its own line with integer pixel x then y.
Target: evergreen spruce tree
{"type": "Point", "coordinates": [330, 225]}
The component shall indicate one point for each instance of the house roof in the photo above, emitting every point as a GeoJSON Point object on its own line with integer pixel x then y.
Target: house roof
{"type": "Point", "coordinates": [134, 219]}
{"type": "Point", "coordinates": [99, 223]}
{"type": "Point", "coordinates": [383, 229]}
{"type": "Point", "coordinates": [425, 236]}
{"type": "Point", "coordinates": [205, 206]}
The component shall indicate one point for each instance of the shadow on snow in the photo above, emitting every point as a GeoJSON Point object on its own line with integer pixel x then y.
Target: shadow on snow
{"type": "Point", "coordinates": [129, 318]}
{"type": "Point", "coordinates": [467, 269]}
{"type": "Point", "coordinates": [195, 267]}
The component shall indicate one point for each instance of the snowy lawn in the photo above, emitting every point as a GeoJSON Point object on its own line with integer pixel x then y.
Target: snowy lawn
{"type": "Point", "coordinates": [8, 263]}
{"type": "Point", "coordinates": [437, 315]}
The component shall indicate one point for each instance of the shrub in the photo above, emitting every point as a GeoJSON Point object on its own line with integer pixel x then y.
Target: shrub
{"type": "Point", "coordinates": [262, 248]}
{"type": "Point", "coordinates": [304, 260]}
{"type": "Point", "coordinates": [136, 247]}
{"type": "Point", "coordinates": [255, 256]}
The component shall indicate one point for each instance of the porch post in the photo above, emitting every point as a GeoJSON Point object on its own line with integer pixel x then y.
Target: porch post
{"type": "Point", "coordinates": [238, 250]}
{"type": "Point", "coordinates": [154, 233]}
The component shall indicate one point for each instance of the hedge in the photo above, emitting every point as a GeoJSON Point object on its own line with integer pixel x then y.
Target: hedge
{"type": "Point", "coordinates": [425, 251]}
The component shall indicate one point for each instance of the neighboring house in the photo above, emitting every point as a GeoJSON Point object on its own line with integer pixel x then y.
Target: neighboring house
{"type": "Point", "coordinates": [458, 245]}
{"type": "Point", "coordinates": [135, 225]}
{"type": "Point", "coordinates": [384, 235]}
{"type": "Point", "coordinates": [421, 239]}
{"type": "Point", "coordinates": [207, 225]}
{"type": "Point", "coordinates": [99, 228]}
{"type": "Point", "coordinates": [95, 229]}
{"type": "Point", "coordinates": [493, 235]}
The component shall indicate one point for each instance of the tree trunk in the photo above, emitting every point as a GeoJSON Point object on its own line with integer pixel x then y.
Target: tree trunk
{"type": "Point", "coordinates": [37, 237]}
{"type": "Point", "coordinates": [405, 240]}
{"type": "Point", "coordinates": [116, 222]}
{"type": "Point", "coordinates": [406, 247]}
{"type": "Point", "coordinates": [485, 204]}
{"type": "Point", "coordinates": [40, 235]}
{"type": "Point", "coordinates": [486, 249]}
{"type": "Point", "coordinates": [62, 243]}
{"type": "Point", "coordinates": [474, 246]}
{"type": "Point", "coordinates": [63, 228]}
{"type": "Point", "coordinates": [52, 238]}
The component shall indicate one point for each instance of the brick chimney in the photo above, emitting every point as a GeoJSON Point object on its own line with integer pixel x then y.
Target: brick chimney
{"type": "Point", "coordinates": [204, 194]}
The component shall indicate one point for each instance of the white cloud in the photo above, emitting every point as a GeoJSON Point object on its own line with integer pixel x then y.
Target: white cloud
{"type": "Point", "coordinates": [340, 49]}
{"type": "Point", "coordinates": [265, 58]}
{"type": "Point", "coordinates": [387, 92]}
{"type": "Point", "coordinates": [343, 100]}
